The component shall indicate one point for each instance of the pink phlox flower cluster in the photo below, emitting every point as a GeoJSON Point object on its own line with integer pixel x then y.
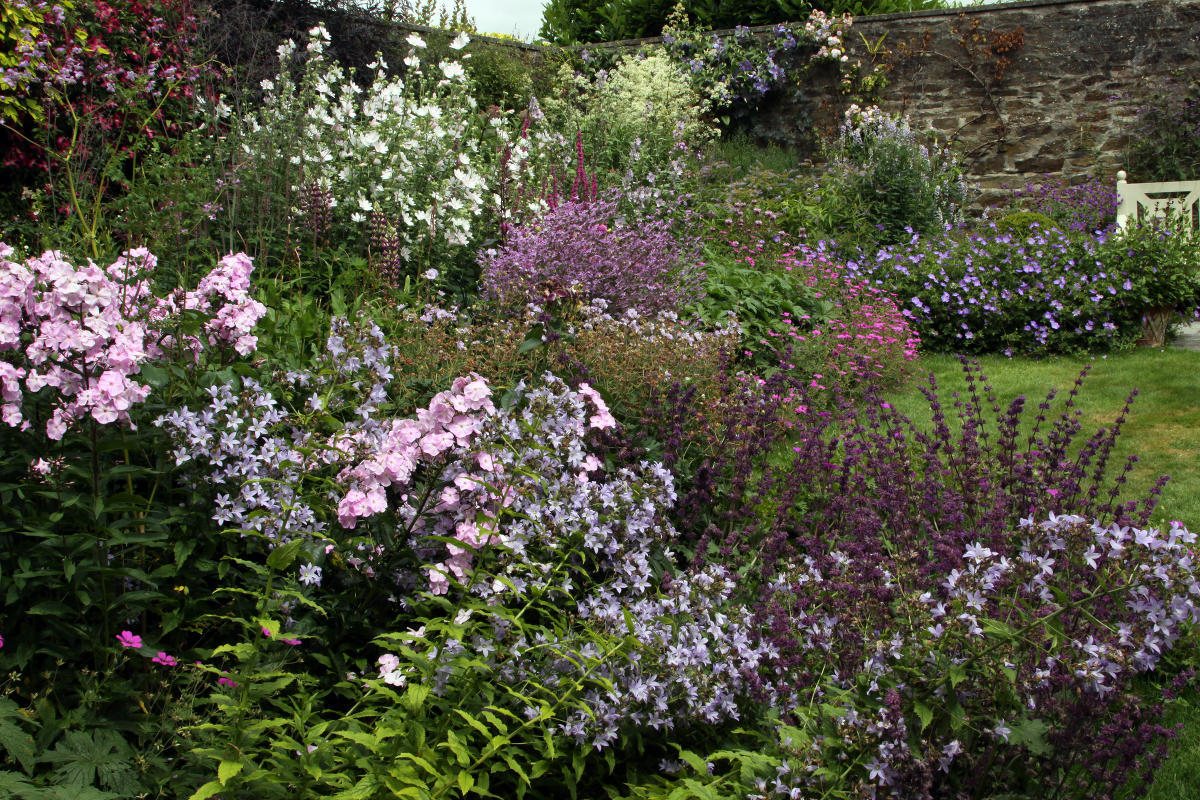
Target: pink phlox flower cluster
{"type": "Point", "coordinates": [80, 336]}
{"type": "Point", "coordinates": [225, 294]}
{"type": "Point", "coordinates": [86, 331]}
{"type": "Point", "coordinates": [451, 419]}
{"type": "Point", "coordinates": [603, 418]}
{"type": "Point", "coordinates": [389, 670]}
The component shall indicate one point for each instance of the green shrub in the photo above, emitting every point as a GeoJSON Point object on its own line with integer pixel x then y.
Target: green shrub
{"type": "Point", "coordinates": [885, 182]}
{"type": "Point", "coordinates": [1164, 145]}
{"type": "Point", "coordinates": [500, 78]}
{"type": "Point", "coordinates": [1020, 223]}
{"type": "Point", "coordinates": [769, 304]}
{"type": "Point", "coordinates": [1162, 260]}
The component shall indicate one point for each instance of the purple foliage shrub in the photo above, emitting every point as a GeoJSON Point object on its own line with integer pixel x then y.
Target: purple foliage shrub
{"type": "Point", "coordinates": [966, 608]}
{"type": "Point", "coordinates": [578, 248]}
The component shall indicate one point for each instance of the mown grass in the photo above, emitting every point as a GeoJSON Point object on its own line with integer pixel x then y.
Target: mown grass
{"type": "Point", "coordinates": [1179, 776]}
{"type": "Point", "coordinates": [1162, 428]}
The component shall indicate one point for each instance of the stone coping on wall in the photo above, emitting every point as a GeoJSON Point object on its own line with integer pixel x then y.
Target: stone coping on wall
{"type": "Point", "coordinates": [990, 8]}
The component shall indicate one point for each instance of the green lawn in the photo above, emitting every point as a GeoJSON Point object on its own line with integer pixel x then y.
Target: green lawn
{"type": "Point", "coordinates": [1163, 428]}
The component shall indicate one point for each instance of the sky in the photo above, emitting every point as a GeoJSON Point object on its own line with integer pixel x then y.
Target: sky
{"type": "Point", "coordinates": [522, 18]}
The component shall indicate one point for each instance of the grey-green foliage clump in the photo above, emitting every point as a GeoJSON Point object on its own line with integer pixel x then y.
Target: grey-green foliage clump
{"type": "Point", "coordinates": [635, 116]}
{"type": "Point", "coordinates": [886, 181]}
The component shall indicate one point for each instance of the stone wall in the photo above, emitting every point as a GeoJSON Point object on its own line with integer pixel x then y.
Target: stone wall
{"type": "Point", "coordinates": [1035, 88]}
{"type": "Point", "coordinates": [1023, 89]}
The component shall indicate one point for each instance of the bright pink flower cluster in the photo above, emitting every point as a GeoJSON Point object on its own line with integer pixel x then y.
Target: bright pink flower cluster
{"type": "Point", "coordinates": [870, 336]}
{"type": "Point", "coordinates": [84, 331]}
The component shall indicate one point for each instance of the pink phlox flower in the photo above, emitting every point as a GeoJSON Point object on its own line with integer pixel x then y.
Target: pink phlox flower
{"type": "Point", "coordinates": [602, 418]}
{"type": "Point", "coordinates": [166, 660]}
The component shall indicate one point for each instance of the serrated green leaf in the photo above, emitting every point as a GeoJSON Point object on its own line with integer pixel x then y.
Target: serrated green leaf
{"type": "Point", "coordinates": [207, 791]}
{"type": "Point", "coordinates": [474, 723]}
{"type": "Point", "coordinates": [465, 781]}
{"type": "Point", "coordinates": [455, 745]}
{"type": "Point", "coordinates": [958, 674]}
{"type": "Point", "coordinates": [282, 557]}
{"type": "Point", "coordinates": [957, 713]}
{"type": "Point", "coordinates": [367, 740]}
{"type": "Point", "coordinates": [694, 761]}
{"type": "Point", "coordinates": [924, 713]}
{"type": "Point", "coordinates": [1030, 733]}
{"type": "Point", "coordinates": [997, 628]}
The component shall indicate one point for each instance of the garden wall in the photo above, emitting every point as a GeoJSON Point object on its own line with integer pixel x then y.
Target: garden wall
{"type": "Point", "coordinates": [1024, 89]}
{"type": "Point", "coordinates": [1040, 87]}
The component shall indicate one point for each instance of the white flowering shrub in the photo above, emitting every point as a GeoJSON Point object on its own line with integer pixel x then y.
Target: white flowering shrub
{"type": "Point", "coordinates": [636, 116]}
{"type": "Point", "coordinates": [405, 149]}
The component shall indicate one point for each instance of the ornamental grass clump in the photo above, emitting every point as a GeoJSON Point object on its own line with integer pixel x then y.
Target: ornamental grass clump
{"type": "Point", "coordinates": [583, 249]}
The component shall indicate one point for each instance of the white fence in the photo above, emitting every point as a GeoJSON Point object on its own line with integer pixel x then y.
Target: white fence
{"type": "Point", "coordinates": [1139, 200]}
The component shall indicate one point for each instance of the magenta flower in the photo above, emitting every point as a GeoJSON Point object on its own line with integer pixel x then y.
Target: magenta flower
{"type": "Point", "coordinates": [129, 639]}
{"type": "Point", "coordinates": [164, 659]}
{"type": "Point", "coordinates": [223, 681]}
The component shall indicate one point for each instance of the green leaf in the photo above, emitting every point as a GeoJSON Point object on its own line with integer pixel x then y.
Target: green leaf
{"type": "Point", "coordinates": [50, 608]}
{"type": "Point", "coordinates": [363, 790]}
{"type": "Point", "coordinates": [474, 723]}
{"type": "Point", "coordinates": [924, 713]}
{"type": "Point", "coordinates": [227, 770]}
{"type": "Point", "coordinates": [997, 628]}
{"type": "Point", "coordinates": [700, 790]}
{"type": "Point", "coordinates": [367, 740]}
{"type": "Point", "coordinates": [958, 674]}
{"type": "Point", "coordinates": [533, 340]}
{"type": "Point", "coordinates": [465, 781]}
{"type": "Point", "coordinates": [957, 713]}
{"type": "Point", "coordinates": [455, 745]}
{"type": "Point", "coordinates": [282, 557]}
{"type": "Point", "coordinates": [694, 761]}
{"type": "Point", "coordinates": [1030, 733]}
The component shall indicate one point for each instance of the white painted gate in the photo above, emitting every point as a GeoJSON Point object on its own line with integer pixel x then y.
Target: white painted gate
{"type": "Point", "coordinates": [1141, 200]}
